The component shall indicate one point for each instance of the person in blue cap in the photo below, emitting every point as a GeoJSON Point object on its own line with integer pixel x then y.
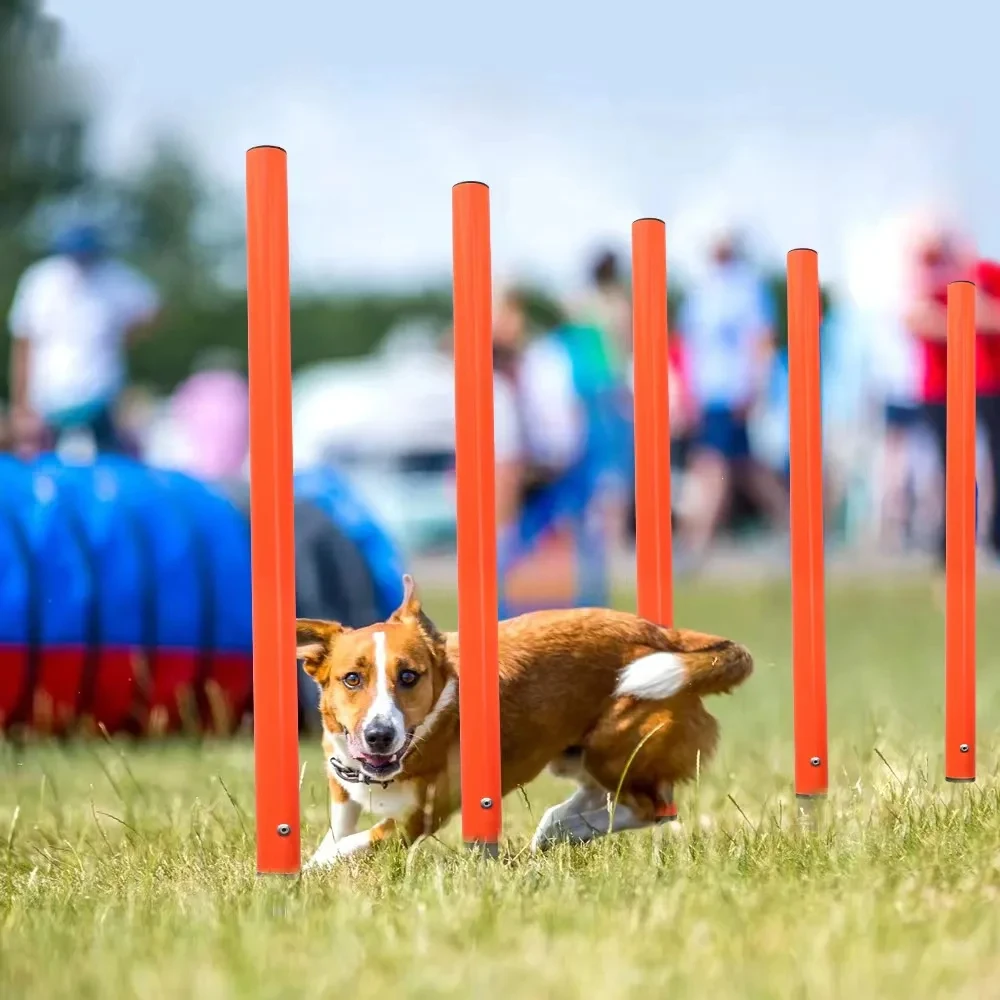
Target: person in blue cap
{"type": "Point", "coordinates": [73, 316]}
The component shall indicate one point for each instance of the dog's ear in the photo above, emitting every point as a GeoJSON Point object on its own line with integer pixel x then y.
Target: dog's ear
{"type": "Point", "coordinates": [411, 610]}
{"type": "Point", "coordinates": [313, 641]}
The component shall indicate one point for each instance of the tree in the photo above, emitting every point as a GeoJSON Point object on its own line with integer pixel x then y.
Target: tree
{"type": "Point", "coordinates": [43, 125]}
{"type": "Point", "coordinates": [42, 118]}
{"type": "Point", "coordinates": [173, 227]}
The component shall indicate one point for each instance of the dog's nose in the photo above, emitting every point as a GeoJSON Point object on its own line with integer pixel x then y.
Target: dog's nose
{"type": "Point", "coordinates": [380, 735]}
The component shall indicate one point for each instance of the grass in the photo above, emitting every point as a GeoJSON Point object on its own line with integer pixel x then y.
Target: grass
{"type": "Point", "coordinates": [128, 870]}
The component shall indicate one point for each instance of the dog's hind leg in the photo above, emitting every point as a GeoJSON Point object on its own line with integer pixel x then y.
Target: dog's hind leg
{"type": "Point", "coordinates": [569, 764]}
{"type": "Point", "coordinates": [585, 815]}
{"type": "Point", "coordinates": [640, 749]}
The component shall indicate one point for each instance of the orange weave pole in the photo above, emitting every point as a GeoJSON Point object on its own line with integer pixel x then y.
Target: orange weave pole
{"type": "Point", "coordinates": [272, 535]}
{"type": "Point", "coordinates": [479, 692]}
{"type": "Point", "coordinates": [808, 585]}
{"type": "Point", "coordinates": [653, 536]}
{"type": "Point", "coordinates": [960, 545]}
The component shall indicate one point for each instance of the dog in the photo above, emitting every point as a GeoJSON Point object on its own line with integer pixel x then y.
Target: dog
{"type": "Point", "coordinates": [602, 696]}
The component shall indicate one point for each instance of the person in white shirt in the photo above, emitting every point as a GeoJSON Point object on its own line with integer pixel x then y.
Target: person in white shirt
{"type": "Point", "coordinates": [539, 422]}
{"type": "Point", "coordinates": [72, 317]}
{"type": "Point", "coordinates": [895, 372]}
{"type": "Point", "coordinates": [727, 338]}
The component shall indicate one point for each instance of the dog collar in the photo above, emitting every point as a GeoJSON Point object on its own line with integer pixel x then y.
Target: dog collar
{"type": "Point", "coordinates": [354, 776]}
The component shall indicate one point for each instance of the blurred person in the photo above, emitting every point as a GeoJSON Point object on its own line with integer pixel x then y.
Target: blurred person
{"type": "Point", "coordinates": [6, 434]}
{"type": "Point", "coordinates": [206, 428]}
{"type": "Point", "coordinates": [73, 316]}
{"type": "Point", "coordinates": [896, 376]}
{"type": "Point", "coordinates": [602, 321]}
{"type": "Point", "coordinates": [938, 259]}
{"type": "Point", "coordinates": [859, 371]}
{"type": "Point", "coordinates": [607, 306]}
{"type": "Point", "coordinates": [941, 259]}
{"type": "Point", "coordinates": [987, 278]}
{"type": "Point", "coordinates": [682, 413]}
{"type": "Point", "coordinates": [134, 415]}
{"type": "Point", "coordinates": [506, 438]}
{"type": "Point", "coordinates": [726, 330]}
{"type": "Point", "coordinates": [537, 414]}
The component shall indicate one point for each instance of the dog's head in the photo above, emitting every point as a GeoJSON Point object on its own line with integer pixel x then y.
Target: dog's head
{"type": "Point", "coordinates": [377, 684]}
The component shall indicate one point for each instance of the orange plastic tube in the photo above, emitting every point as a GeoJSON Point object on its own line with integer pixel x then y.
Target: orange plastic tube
{"type": "Point", "coordinates": [808, 584]}
{"type": "Point", "coordinates": [653, 535]}
{"type": "Point", "coordinates": [272, 536]}
{"type": "Point", "coordinates": [960, 528]}
{"type": "Point", "coordinates": [479, 691]}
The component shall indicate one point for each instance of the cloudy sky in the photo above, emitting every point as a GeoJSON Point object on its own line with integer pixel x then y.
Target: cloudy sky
{"type": "Point", "coordinates": [812, 124]}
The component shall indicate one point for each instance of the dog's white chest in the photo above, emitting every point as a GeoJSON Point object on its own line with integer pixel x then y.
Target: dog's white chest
{"type": "Point", "coordinates": [395, 801]}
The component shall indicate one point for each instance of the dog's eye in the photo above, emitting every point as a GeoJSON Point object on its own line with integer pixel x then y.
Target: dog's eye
{"type": "Point", "coordinates": [407, 678]}
{"type": "Point", "coordinates": [352, 680]}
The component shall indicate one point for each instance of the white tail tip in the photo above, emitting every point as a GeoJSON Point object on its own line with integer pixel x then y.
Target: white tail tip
{"type": "Point", "coordinates": [652, 677]}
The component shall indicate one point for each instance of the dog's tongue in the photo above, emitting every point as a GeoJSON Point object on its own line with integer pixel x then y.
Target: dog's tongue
{"type": "Point", "coordinates": [378, 759]}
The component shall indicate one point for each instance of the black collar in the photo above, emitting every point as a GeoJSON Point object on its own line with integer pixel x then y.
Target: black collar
{"type": "Point", "coordinates": [355, 776]}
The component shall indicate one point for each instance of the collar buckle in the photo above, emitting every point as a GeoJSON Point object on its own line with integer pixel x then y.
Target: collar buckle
{"type": "Point", "coordinates": [354, 776]}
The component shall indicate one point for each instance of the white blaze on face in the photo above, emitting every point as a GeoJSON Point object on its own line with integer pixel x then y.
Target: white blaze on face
{"type": "Point", "coordinates": [383, 705]}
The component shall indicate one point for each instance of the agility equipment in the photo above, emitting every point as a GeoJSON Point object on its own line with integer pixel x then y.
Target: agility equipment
{"type": "Point", "coordinates": [653, 507]}
{"type": "Point", "coordinates": [960, 538]}
{"type": "Point", "coordinates": [272, 540]}
{"type": "Point", "coordinates": [806, 500]}
{"type": "Point", "coordinates": [276, 748]}
{"type": "Point", "coordinates": [479, 692]}
{"type": "Point", "coordinates": [125, 592]}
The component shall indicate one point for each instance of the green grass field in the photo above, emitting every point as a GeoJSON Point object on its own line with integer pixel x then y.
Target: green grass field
{"type": "Point", "coordinates": [128, 871]}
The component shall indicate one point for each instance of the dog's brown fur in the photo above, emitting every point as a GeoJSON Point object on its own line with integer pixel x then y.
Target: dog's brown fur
{"type": "Point", "coordinates": [558, 705]}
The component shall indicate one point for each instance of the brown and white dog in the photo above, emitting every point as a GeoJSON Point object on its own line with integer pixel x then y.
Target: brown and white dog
{"type": "Point", "coordinates": [604, 696]}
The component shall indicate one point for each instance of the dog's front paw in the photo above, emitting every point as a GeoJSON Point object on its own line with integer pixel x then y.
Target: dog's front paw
{"type": "Point", "coordinates": [322, 859]}
{"type": "Point", "coordinates": [326, 855]}
{"type": "Point", "coordinates": [332, 852]}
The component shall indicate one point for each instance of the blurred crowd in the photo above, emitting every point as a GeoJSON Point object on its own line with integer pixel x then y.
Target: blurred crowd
{"type": "Point", "coordinates": [563, 394]}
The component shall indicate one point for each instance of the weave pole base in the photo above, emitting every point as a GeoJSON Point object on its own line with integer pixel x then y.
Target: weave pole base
{"type": "Point", "coordinates": [810, 809]}
{"type": "Point", "coordinates": [491, 851]}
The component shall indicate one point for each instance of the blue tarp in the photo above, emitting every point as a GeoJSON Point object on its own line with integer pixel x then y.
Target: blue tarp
{"type": "Point", "coordinates": [117, 554]}
{"type": "Point", "coordinates": [330, 492]}
{"type": "Point", "coordinates": [57, 608]}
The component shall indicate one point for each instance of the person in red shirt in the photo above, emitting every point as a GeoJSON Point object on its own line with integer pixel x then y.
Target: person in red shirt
{"type": "Point", "coordinates": [987, 279]}
{"type": "Point", "coordinates": [940, 262]}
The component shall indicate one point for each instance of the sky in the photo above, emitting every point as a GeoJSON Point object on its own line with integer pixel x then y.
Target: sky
{"type": "Point", "coordinates": [808, 124]}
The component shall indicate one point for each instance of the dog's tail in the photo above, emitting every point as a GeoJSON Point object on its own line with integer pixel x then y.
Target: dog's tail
{"type": "Point", "coordinates": [688, 661]}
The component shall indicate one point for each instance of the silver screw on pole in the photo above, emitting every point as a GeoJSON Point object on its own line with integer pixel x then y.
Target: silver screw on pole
{"type": "Point", "coordinates": [284, 829]}
{"type": "Point", "coordinates": [964, 748]}
{"type": "Point", "coordinates": [815, 761]}
{"type": "Point", "coordinates": [486, 803]}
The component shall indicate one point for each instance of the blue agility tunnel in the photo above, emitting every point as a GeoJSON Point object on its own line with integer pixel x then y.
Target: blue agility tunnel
{"type": "Point", "coordinates": [125, 591]}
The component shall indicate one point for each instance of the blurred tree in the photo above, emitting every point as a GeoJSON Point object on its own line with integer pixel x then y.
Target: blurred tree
{"type": "Point", "coordinates": [778, 287]}
{"type": "Point", "coordinates": [187, 236]}
{"type": "Point", "coordinates": [162, 207]}
{"type": "Point", "coordinates": [42, 118]}
{"type": "Point", "coordinates": [43, 122]}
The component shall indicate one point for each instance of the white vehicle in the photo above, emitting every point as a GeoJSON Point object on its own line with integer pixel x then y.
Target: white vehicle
{"type": "Point", "coordinates": [387, 422]}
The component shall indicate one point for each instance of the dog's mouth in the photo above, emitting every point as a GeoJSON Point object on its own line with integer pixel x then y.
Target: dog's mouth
{"type": "Point", "coordinates": [379, 765]}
